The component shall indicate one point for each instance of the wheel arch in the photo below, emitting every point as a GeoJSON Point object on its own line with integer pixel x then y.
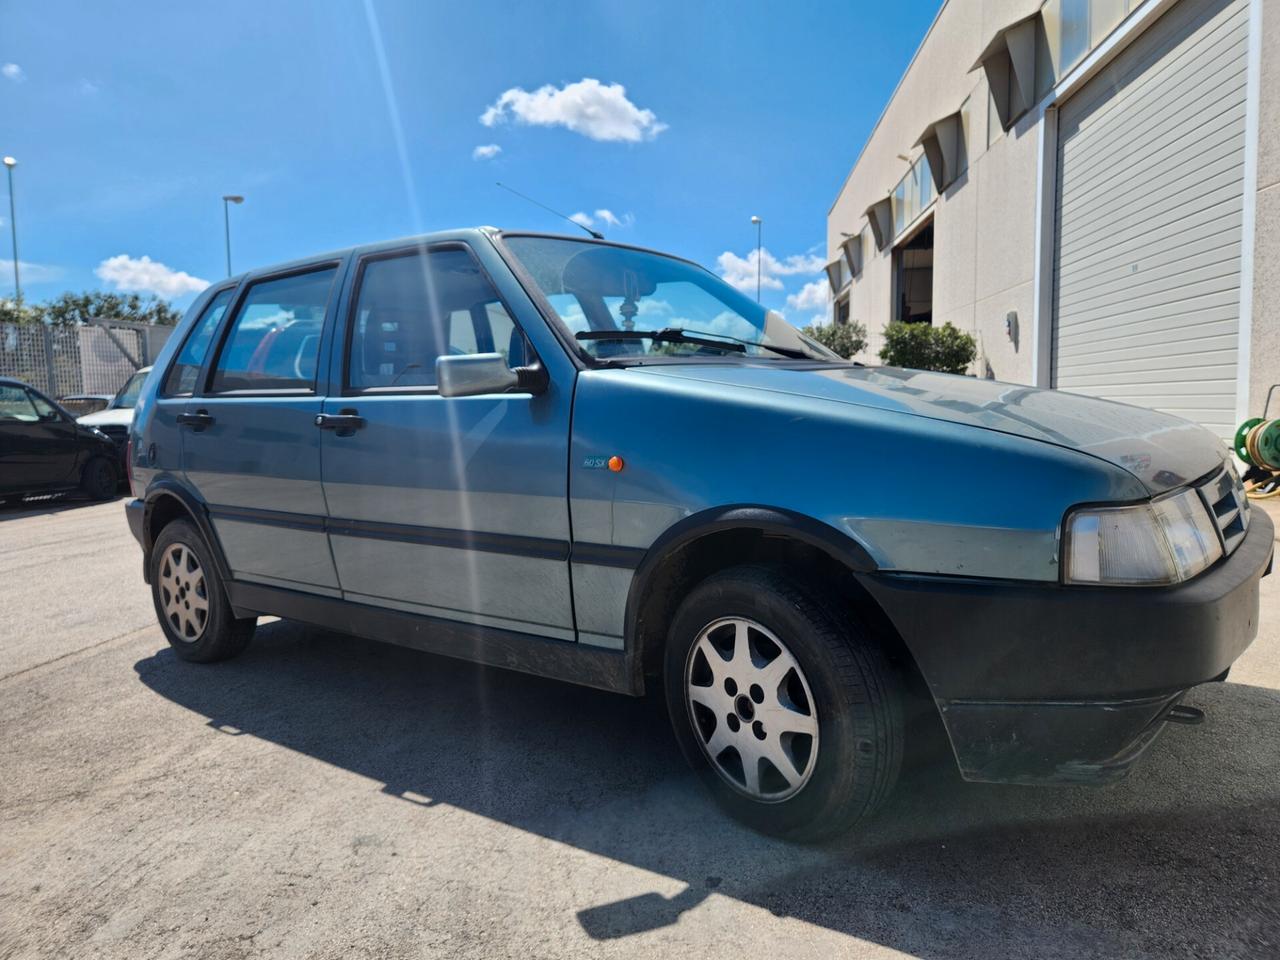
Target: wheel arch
{"type": "Point", "coordinates": [168, 500]}
{"type": "Point", "coordinates": [711, 540]}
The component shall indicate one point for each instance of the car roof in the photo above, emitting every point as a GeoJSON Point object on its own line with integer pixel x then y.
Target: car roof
{"type": "Point", "coordinates": [462, 234]}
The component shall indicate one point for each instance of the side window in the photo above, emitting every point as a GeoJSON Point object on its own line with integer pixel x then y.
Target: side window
{"type": "Point", "coordinates": [15, 405]}
{"type": "Point", "coordinates": [181, 380]}
{"type": "Point", "coordinates": [274, 340]}
{"type": "Point", "coordinates": [44, 409]}
{"type": "Point", "coordinates": [416, 307]}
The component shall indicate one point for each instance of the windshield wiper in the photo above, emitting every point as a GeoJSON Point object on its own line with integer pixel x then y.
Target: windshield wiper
{"type": "Point", "coordinates": [702, 338]}
{"type": "Point", "coordinates": [667, 335]}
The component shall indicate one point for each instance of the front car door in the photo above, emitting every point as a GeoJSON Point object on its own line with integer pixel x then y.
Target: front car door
{"type": "Point", "coordinates": [250, 447]}
{"type": "Point", "coordinates": [450, 507]}
{"type": "Point", "coordinates": [38, 444]}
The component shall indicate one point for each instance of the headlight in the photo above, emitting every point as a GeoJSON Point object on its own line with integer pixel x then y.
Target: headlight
{"type": "Point", "coordinates": [1165, 541]}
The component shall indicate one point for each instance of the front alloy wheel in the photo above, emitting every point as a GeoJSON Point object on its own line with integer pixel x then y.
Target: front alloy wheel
{"type": "Point", "coordinates": [752, 709]}
{"type": "Point", "coordinates": [784, 701]}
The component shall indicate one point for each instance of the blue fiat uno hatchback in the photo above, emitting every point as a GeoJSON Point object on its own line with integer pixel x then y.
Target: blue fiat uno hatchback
{"type": "Point", "coordinates": [602, 464]}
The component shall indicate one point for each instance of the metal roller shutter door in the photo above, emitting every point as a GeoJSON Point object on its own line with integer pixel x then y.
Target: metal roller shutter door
{"type": "Point", "coordinates": [1148, 219]}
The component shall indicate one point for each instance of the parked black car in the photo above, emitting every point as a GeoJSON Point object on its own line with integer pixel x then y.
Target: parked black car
{"type": "Point", "coordinates": [43, 449]}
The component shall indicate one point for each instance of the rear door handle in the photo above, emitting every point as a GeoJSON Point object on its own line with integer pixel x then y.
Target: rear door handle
{"type": "Point", "coordinates": [198, 420]}
{"type": "Point", "coordinates": [344, 423]}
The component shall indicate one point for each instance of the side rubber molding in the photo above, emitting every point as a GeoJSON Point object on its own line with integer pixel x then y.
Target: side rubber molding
{"type": "Point", "coordinates": [557, 659]}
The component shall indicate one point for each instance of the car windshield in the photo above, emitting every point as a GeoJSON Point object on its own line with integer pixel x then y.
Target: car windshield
{"type": "Point", "coordinates": [127, 398]}
{"type": "Point", "coordinates": [620, 303]}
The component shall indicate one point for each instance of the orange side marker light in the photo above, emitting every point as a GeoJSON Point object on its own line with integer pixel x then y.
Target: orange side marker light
{"type": "Point", "coordinates": [616, 463]}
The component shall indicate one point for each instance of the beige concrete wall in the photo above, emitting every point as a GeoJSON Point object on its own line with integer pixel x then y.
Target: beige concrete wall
{"type": "Point", "coordinates": [976, 284]}
{"type": "Point", "coordinates": [984, 226]}
{"type": "Point", "coordinates": [1264, 344]}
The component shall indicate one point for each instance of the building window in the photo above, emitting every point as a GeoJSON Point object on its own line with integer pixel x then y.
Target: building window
{"type": "Point", "coordinates": [841, 312]}
{"type": "Point", "coordinates": [1074, 27]}
{"type": "Point", "coordinates": [912, 195]}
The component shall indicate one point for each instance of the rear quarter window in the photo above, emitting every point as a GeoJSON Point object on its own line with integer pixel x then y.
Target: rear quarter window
{"type": "Point", "coordinates": [181, 380]}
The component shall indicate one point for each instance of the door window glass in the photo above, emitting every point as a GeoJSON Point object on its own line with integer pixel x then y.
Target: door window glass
{"type": "Point", "coordinates": [274, 340]}
{"type": "Point", "coordinates": [44, 409]}
{"type": "Point", "coordinates": [182, 375]}
{"type": "Point", "coordinates": [417, 307]}
{"type": "Point", "coordinates": [15, 404]}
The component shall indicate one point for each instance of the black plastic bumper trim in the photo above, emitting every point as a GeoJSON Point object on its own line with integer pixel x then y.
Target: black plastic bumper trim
{"type": "Point", "coordinates": [1003, 640]}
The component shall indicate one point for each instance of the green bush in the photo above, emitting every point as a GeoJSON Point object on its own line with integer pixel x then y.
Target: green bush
{"type": "Point", "coordinates": [845, 339]}
{"type": "Point", "coordinates": [921, 346]}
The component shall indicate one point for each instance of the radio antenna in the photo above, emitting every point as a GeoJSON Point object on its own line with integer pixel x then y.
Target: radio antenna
{"type": "Point", "coordinates": [594, 234]}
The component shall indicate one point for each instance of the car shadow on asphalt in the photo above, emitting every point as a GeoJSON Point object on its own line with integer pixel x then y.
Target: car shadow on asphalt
{"type": "Point", "coordinates": [1180, 858]}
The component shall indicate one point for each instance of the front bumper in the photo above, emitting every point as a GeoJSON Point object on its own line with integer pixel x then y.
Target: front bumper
{"type": "Point", "coordinates": [1044, 683]}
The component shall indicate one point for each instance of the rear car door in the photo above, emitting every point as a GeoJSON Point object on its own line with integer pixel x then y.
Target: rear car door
{"type": "Point", "coordinates": [250, 447]}
{"type": "Point", "coordinates": [446, 506]}
{"type": "Point", "coordinates": [164, 433]}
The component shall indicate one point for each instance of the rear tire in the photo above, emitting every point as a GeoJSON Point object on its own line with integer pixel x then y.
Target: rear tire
{"type": "Point", "coordinates": [810, 701]}
{"type": "Point", "coordinates": [190, 599]}
{"type": "Point", "coordinates": [98, 480]}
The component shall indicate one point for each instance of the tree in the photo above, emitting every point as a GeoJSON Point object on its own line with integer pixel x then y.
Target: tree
{"type": "Point", "coordinates": [845, 339]}
{"type": "Point", "coordinates": [19, 311]}
{"type": "Point", "coordinates": [922, 346]}
{"type": "Point", "coordinates": [73, 308]}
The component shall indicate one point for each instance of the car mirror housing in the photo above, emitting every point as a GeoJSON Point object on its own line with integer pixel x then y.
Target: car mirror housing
{"type": "Point", "coordinates": [476, 374]}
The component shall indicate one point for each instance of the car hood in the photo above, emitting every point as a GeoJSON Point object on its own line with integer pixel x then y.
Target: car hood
{"type": "Point", "coordinates": [114, 416]}
{"type": "Point", "coordinates": [1160, 450]}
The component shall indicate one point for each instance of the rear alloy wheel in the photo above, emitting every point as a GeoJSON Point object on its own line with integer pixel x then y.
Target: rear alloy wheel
{"type": "Point", "coordinates": [190, 601]}
{"type": "Point", "coordinates": [184, 593]}
{"type": "Point", "coordinates": [98, 479]}
{"type": "Point", "coordinates": [785, 703]}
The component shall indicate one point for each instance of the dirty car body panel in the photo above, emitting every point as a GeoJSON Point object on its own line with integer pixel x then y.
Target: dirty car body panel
{"type": "Point", "coordinates": [524, 528]}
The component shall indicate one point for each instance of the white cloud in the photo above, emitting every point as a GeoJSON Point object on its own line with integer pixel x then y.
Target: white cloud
{"type": "Point", "coordinates": [486, 151]}
{"type": "Point", "coordinates": [29, 272]}
{"type": "Point", "coordinates": [740, 272]}
{"type": "Point", "coordinates": [145, 275]}
{"type": "Point", "coordinates": [606, 218]}
{"type": "Point", "coordinates": [588, 107]}
{"type": "Point", "coordinates": [812, 296]}
{"type": "Point", "coordinates": [11, 71]}
{"type": "Point", "coordinates": [89, 88]}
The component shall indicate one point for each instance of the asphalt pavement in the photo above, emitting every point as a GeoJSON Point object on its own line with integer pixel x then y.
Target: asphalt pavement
{"type": "Point", "coordinates": [324, 796]}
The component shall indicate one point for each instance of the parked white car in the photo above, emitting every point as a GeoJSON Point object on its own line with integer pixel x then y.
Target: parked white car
{"type": "Point", "coordinates": [116, 419]}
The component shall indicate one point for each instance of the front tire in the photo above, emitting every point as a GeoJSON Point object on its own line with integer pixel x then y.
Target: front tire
{"type": "Point", "coordinates": [789, 711]}
{"type": "Point", "coordinates": [191, 603]}
{"type": "Point", "coordinates": [98, 479]}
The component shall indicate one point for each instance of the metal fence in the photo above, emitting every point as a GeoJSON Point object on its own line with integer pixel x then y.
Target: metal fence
{"type": "Point", "coordinates": [93, 358]}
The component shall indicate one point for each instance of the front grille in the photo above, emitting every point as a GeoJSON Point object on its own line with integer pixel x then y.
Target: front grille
{"type": "Point", "coordinates": [1223, 494]}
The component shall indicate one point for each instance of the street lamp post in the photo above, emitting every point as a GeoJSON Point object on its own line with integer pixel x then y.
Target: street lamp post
{"type": "Point", "coordinates": [759, 227]}
{"type": "Point", "coordinates": [226, 223]}
{"type": "Point", "coordinates": [10, 163]}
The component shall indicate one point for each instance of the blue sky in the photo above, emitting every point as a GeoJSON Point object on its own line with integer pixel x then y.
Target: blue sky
{"type": "Point", "coordinates": [681, 119]}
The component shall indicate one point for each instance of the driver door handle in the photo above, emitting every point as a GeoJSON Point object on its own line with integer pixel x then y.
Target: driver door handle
{"type": "Point", "coordinates": [345, 423]}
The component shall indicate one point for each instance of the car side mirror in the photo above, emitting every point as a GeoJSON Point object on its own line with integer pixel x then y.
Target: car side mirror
{"type": "Point", "coordinates": [476, 374]}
